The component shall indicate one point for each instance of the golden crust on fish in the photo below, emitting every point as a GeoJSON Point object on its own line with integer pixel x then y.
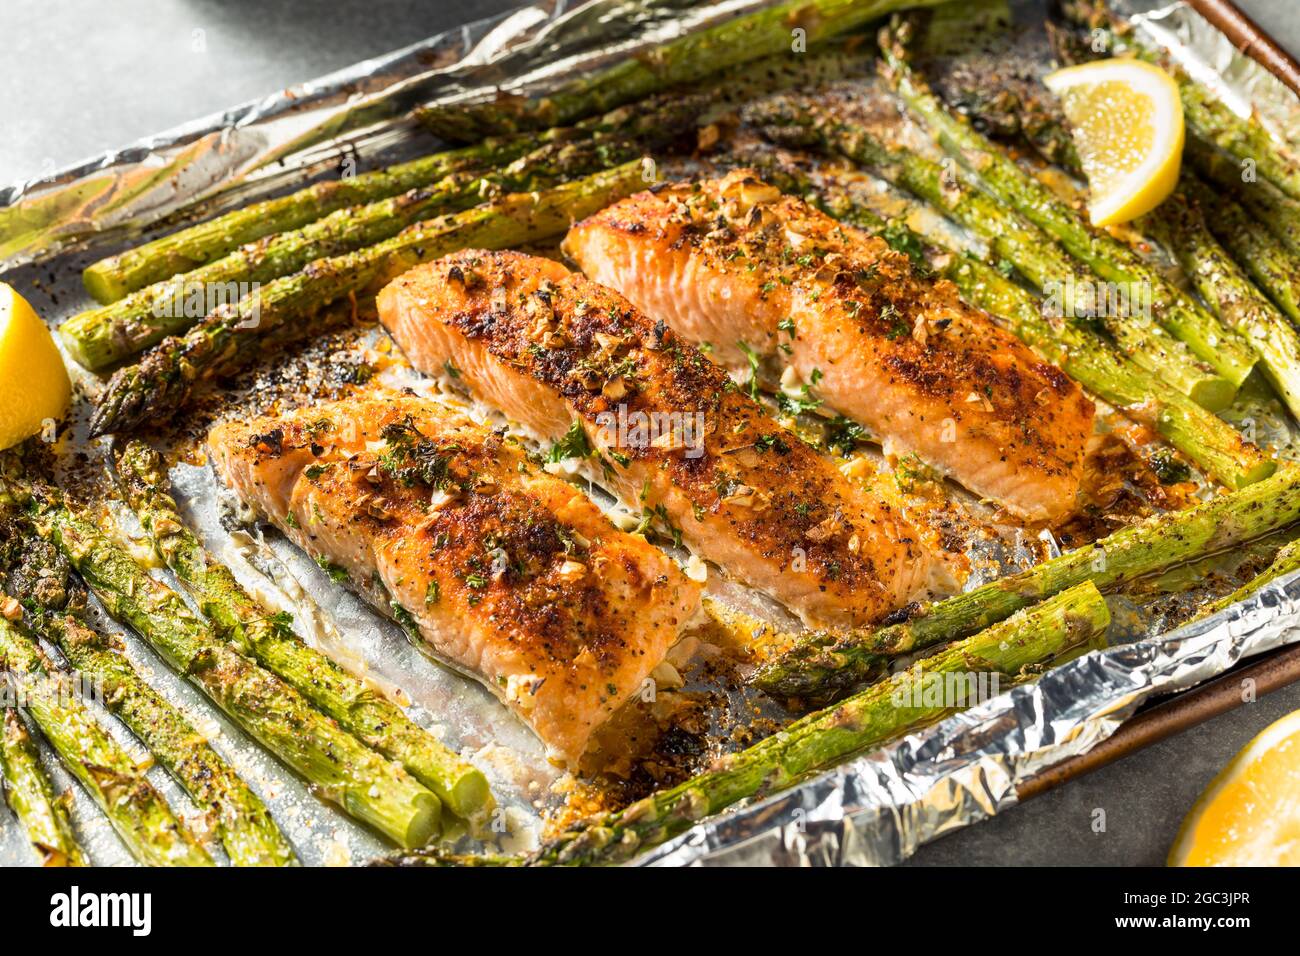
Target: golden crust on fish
{"type": "Point", "coordinates": [508, 573]}
{"type": "Point", "coordinates": [675, 437]}
{"type": "Point", "coordinates": [734, 263]}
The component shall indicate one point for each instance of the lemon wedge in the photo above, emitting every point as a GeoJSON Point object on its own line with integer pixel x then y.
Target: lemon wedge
{"type": "Point", "coordinates": [1250, 813]}
{"type": "Point", "coordinates": [1128, 129]}
{"type": "Point", "coordinates": [33, 380]}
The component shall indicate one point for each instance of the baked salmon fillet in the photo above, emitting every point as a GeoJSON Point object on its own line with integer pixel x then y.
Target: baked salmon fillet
{"type": "Point", "coordinates": [736, 264]}
{"type": "Point", "coordinates": [509, 574]}
{"type": "Point", "coordinates": [567, 358]}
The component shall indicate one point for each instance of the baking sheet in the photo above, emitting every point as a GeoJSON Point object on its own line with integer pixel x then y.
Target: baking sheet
{"type": "Point", "coordinates": [874, 810]}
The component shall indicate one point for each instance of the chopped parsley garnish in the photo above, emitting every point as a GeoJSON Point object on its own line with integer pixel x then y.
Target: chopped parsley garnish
{"type": "Point", "coordinates": [659, 512]}
{"type": "Point", "coordinates": [406, 619]}
{"type": "Point", "coordinates": [357, 373]}
{"type": "Point", "coordinates": [336, 573]}
{"type": "Point", "coordinates": [804, 401]}
{"type": "Point", "coordinates": [573, 444]}
{"type": "Point", "coordinates": [1168, 468]}
{"type": "Point", "coordinates": [752, 357]}
{"type": "Point", "coordinates": [898, 327]}
{"type": "Point", "coordinates": [412, 458]}
{"type": "Point", "coordinates": [843, 435]}
{"type": "Point", "coordinates": [772, 443]}
{"type": "Point", "coordinates": [904, 240]}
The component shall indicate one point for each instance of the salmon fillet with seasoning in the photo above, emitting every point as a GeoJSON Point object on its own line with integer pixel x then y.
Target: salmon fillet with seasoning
{"type": "Point", "coordinates": [510, 574]}
{"type": "Point", "coordinates": [673, 435]}
{"type": "Point", "coordinates": [735, 263]}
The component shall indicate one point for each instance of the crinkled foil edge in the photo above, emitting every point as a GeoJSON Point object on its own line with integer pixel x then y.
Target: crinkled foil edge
{"type": "Point", "coordinates": [878, 809]}
{"type": "Point", "coordinates": [250, 151]}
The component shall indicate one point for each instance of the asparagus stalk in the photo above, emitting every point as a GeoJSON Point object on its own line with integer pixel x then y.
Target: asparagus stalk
{"type": "Point", "coordinates": [1222, 348]}
{"type": "Point", "coordinates": [1279, 212]}
{"type": "Point", "coordinates": [247, 832]}
{"type": "Point", "coordinates": [1243, 138]}
{"type": "Point", "coordinates": [826, 664]}
{"type": "Point", "coordinates": [1012, 649]}
{"type": "Point", "coordinates": [268, 639]}
{"type": "Point", "coordinates": [1286, 560]}
{"type": "Point", "coordinates": [1179, 224]}
{"type": "Point", "coordinates": [110, 279]}
{"type": "Point", "coordinates": [105, 336]}
{"type": "Point", "coordinates": [135, 809]}
{"type": "Point", "coordinates": [1206, 439]}
{"type": "Point", "coordinates": [1257, 250]}
{"type": "Point", "coordinates": [1035, 255]}
{"type": "Point", "coordinates": [363, 784]}
{"type": "Point", "coordinates": [30, 794]}
{"type": "Point", "coordinates": [165, 378]}
{"type": "Point", "coordinates": [788, 27]}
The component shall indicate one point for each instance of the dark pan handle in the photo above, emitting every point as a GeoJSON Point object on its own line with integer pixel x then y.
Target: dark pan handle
{"type": "Point", "coordinates": [1250, 39]}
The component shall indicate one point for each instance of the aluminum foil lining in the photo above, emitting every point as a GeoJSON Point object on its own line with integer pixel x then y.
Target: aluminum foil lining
{"type": "Point", "coordinates": [875, 810]}
{"type": "Point", "coordinates": [361, 112]}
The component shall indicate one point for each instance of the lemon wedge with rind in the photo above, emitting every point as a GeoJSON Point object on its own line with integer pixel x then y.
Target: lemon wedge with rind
{"type": "Point", "coordinates": [1128, 129]}
{"type": "Point", "coordinates": [1250, 813]}
{"type": "Point", "coordinates": [34, 382]}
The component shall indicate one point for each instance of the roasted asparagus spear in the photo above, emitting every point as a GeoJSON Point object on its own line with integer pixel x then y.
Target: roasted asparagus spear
{"type": "Point", "coordinates": [1258, 251]}
{"type": "Point", "coordinates": [138, 813]}
{"type": "Point", "coordinates": [165, 377]}
{"type": "Point", "coordinates": [364, 784]}
{"type": "Point", "coordinates": [1285, 561]}
{"type": "Point", "coordinates": [825, 664]}
{"type": "Point", "coordinates": [110, 279]}
{"type": "Point", "coordinates": [247, 832]}
{"type": "Point", "coordinates": [270, 640]}
{"type": "Point", "coordinates": [1012, 649]}
{"type": "Point", "coordinates": [30, 794]}
{"type": "Point", "coordinates": [1179, 224]}
{"type": "Point", "coordinates": [789, 27]}
{"type": "Point", "coordinates": [106, 335]}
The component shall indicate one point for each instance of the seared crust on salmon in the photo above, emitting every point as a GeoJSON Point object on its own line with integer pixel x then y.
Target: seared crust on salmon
{"type": "Point", "coordinates": [509, 574]}
{"type": "Point", "coordinates": [734, 263]}
{"type": "Point", "coordinates": [675, 437]}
